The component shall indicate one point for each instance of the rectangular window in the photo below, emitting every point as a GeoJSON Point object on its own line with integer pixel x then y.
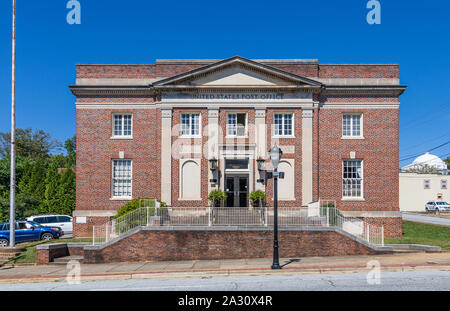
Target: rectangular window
{"type": "Point", "coordinates": [352, 179]}
{"type": "Point", "coordinates": [426, 184]}
{"type": "Point", "coordinates": [237, 124]}
{"type": "Point", "coordinates": [282, 124]}
{"type": "Point", "coordinates": [121, 178]}
{"type": "Point", "coordinates": [122, 125]}
{"type": "Point", "coordinates": [351, 125]}
{"type": "Point", "coordinates": [190, 124]}
{"type": "Point", "coordinates": [443, 184]}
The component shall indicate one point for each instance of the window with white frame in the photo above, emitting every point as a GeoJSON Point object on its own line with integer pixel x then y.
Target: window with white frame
{"type": "Point", "coordinates": [444, 184]}
{"type": "Point", "coordinates": [190, 124]}
{"type": "Point", "coordinates": [122, 125]}
{"type": "Point", "coordinates": [121, 178]}
{"type": "Point", "coordinates": [282, 124]}
{"type": "Point", "coordinates": [352, 179]}
{"type": "Point", "coordinates": [426, 184]}
{"type": "Point", "coordinates": [352, 125]}
{"type": "Point", "coordinates": [237, 124]}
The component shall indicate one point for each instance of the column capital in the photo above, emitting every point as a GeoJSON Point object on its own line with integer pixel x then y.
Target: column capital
{"type": "Point", "coordinates": [307, 113]}
{"type": "Point", "coordinates": [166, 112]}
{"type": "Point", "coordinates": [260, 113]}
{"type": "Point", "coordinates": [213, 112]}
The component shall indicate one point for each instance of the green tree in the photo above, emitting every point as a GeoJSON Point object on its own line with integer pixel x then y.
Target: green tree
{"type": "Point", "coordinates": [31, 188]}
{"type": "Point", "coordinates": [52, 183]}
{"type": "Point", "coordinates": [71, 148]}
{"type": "Point", "coordinates": [66, 192]}
{"type": "Point", "coordinates": [31, 144]}
{"type": "Point", "coordinates": [447, 161]}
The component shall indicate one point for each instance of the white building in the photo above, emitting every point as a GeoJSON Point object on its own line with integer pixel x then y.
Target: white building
{"type": "Point", "coordinates": [417, 188]}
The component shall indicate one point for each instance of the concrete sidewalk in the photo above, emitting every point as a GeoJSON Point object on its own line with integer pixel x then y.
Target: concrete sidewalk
{"type": "Point", "coordinates": [143, 270]}
{"type": "Point", "coordinates": [430, 219]}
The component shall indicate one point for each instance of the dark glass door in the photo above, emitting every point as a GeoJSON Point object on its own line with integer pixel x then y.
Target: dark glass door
{"type": "Point", "coordinates": [236, 188]}
{"type": "Point", "coordinates": [229, 190]}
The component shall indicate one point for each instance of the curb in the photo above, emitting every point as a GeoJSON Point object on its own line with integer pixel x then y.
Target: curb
{"type": "Point", "coordinates": [226, 272]}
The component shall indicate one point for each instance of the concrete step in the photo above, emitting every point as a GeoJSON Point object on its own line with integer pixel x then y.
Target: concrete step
{"type": "Point", "coordinates": [66, 259]}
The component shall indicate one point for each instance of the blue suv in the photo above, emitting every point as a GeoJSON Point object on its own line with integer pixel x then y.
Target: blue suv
{"type": "Point", "coordinates": [27, 231]}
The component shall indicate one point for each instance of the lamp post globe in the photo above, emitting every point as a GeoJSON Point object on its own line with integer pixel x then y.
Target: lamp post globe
{"type": "Point", "coordinates": [275, 154]}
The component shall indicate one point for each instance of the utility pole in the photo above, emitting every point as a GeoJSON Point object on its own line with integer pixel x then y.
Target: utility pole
{"type": "Point", "coordinates": [12, 195]}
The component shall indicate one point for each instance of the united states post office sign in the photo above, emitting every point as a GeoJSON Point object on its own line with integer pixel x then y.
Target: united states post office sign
{"type": "Point", "coordinates": [229, 96]}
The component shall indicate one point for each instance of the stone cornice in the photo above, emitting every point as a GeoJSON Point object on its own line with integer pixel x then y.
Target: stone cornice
{"type": "Point", "coordinates": [134, 90]}
{"type": "Point", "coordinates": [388, 90]}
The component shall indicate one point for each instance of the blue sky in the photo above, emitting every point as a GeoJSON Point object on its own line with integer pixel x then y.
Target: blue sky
{"type": "Point", "coordinates": [412, 33]}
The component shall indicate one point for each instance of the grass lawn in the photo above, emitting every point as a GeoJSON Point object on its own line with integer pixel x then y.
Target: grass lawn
{"type": "Point", "coordinates": [29, 255]}
{"type": "Point", "coordinates": [418, 233]}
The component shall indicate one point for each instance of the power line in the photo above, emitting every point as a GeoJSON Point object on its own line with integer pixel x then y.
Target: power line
{"type": "Point", "coordinates": [415, 121]}
{"type": "Point", "coordinates": [424, 162]}
{"type": "Point", "coordinates": [428, 141]}
{"type": "Point", "coordinates": [413, 156]}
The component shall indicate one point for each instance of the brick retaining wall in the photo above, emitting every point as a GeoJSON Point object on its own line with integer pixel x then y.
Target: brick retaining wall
{"type": "Point", "coordinates": [158, 244]}
{"type": "Point", "coordinates": [45, 253]}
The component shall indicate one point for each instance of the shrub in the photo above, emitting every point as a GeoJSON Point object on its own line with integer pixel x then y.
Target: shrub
{"type": "Point", "coordinates": [257, 197]}
{"type": "Point", "coordinates": [133, 205]}
{"type": "Point", "coordinates": [216, 196]}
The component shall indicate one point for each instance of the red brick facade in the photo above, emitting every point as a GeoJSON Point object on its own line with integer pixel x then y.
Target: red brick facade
{"type": "Point", "coordinates": [96, 148]}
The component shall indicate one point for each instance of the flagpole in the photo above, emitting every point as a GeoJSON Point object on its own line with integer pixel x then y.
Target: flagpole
{"type": "Point", "coordinates": [12, 220]}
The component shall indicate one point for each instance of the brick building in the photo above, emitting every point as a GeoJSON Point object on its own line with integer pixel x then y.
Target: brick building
{"type": "Point", "coordinates": [155, 130]}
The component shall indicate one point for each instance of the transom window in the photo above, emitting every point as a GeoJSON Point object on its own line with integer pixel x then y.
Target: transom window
{"type": "Point", "coordinates": [122, 126]}
{"type": "Point", "coordinates": [351, 125]}
{"type": "Point", "coordinates": [283, 124]}
{"type": "Point", "coordinates": [236, 164]}
{"type": "Point", "coordinates": [190, 124]}
{"type": "Point", "coordinates": [122, 177]}
{"type": "Point", "coordinates": [236, 124]}
{"type": "Point", "coordinates": [352, 179]}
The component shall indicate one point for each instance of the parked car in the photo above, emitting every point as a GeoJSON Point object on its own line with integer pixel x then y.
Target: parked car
{"type": "Point", "coordinates": [26, 231]}
{"type": "Point", "coordinates": [437, 206]}
{"type": "Point", "coordinates": [62, 221]}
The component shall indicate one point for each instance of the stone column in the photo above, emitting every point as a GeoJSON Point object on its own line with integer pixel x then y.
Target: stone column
{"type": "Point", "coordinates": [307, 156]}
{"type": "Point", "coordinates": [261, 143]}
{"type": "Point", "coordinates": [213, 145]}
{"type": "Point", "coordinates": [166, 155]}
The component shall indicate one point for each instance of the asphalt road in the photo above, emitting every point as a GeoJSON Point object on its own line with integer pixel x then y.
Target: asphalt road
{"type": "Point", "coordinates": [427, 219]}
{"type": "Point", "coordinates": [391, 281]}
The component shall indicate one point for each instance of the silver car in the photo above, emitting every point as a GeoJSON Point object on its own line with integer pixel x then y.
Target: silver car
{"type": "Point", "coordinates": [437, 206]}
{"type": "Point", "coordinates": [62, 221]}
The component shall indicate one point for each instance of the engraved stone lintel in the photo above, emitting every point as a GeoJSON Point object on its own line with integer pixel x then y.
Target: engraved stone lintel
{"type": "Point", "coordinates": [288, 149]}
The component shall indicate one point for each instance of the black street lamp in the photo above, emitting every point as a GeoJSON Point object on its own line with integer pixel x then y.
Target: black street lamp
{"type": "Point", "coordinates": [275, 156]}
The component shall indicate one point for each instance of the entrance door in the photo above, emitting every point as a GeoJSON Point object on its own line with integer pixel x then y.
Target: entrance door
{"type": "Point", "coordinates": [236, 188]}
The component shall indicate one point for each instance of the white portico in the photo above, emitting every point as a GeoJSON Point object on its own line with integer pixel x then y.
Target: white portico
{"type": "Point", "coordinates": [235, 97]}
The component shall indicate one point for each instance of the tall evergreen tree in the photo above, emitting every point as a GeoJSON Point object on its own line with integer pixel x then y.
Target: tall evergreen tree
{"type": "Point", "coordinates": [52, 182]}
{"type": "Point", "coordinates": [66, 192]}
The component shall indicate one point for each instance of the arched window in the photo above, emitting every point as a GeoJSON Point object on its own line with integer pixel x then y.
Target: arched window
{"type": "Point", "coordinates": [190, 180]}
{"type": "Point", "coordinates": [286, 185]}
